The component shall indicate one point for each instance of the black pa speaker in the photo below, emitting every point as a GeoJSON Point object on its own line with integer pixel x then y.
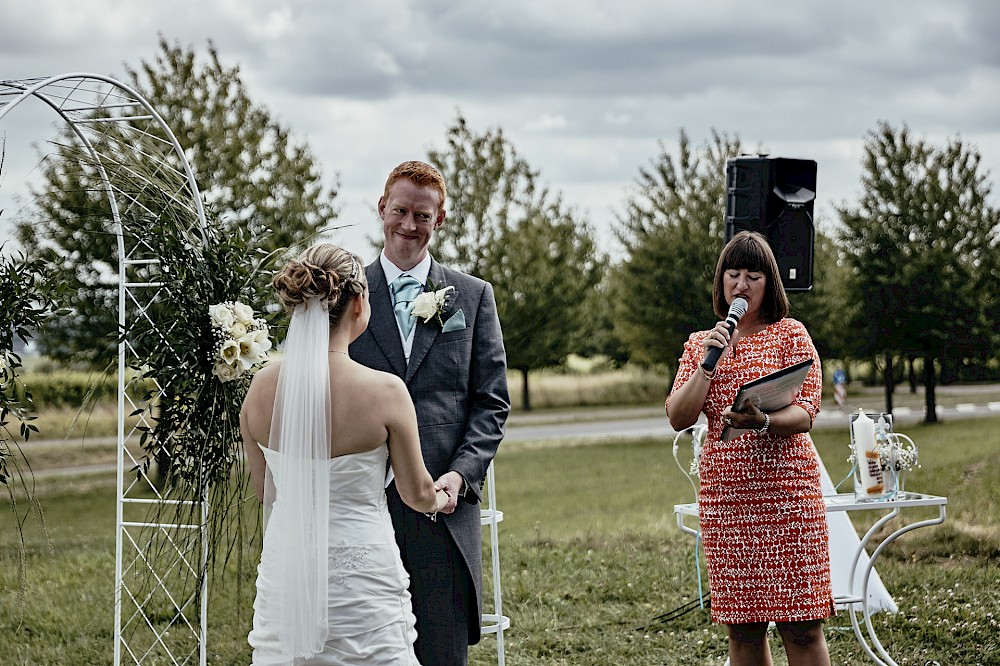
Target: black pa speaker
{"type": "Point", "coordinates": [774, 196]}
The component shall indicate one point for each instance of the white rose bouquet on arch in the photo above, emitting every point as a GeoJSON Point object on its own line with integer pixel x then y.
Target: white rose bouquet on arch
{"type": "Point", "coordinates": [242, 340]}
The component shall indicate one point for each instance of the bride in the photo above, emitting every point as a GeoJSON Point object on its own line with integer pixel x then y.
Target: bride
{"type": "Point", "coordinates": [318, 428]}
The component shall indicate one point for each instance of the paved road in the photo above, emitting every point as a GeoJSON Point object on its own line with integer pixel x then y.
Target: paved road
{"type": "Point", "coordinates": [625, 422]}
{"type": "Point", "coordinates": [653, 423]}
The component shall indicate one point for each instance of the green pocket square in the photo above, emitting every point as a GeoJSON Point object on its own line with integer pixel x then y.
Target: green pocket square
{"type": "Point", "coordinates": [455, 323]}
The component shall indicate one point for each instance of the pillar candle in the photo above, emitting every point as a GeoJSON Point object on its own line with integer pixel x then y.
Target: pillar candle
{"type": "Point", "coordinates": [869, 465]}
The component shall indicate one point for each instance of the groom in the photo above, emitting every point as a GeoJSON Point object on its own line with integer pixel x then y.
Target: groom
{"type": "Point", "coordinates": [455, 367]}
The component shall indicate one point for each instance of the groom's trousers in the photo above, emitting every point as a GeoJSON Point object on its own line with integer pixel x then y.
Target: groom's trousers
{"type": "Point", "coordinates": [441, 589]}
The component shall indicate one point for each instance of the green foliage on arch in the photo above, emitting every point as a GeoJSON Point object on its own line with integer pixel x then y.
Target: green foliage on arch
{"type": "Point", "coordinates": [192, 416]}
{"type": "Point", "coordinates": [27, 299]}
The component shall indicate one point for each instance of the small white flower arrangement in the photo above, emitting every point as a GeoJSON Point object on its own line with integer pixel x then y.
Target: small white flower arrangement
{"type": "Point", "coordinates": [241, 340]}
{"type": "Point", "coordinates": [896, 452]}
{"type": "Point", "coordinates": [431, 304]}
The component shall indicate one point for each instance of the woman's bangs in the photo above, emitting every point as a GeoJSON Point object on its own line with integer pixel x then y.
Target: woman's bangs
{"type": "Point", "coordinates": [746, 255]}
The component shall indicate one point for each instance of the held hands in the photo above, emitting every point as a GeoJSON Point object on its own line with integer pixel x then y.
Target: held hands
{"type": "Point", "coordinates": [446, 490]}
{"type": "Point", "coordinates": [441, 501]}
{"type": "Point", "coordinates": [748, 418]}
{"type": "Point", "coordinates": [442, 498]}
{"type": "Point", "coordinates": [450, 486]}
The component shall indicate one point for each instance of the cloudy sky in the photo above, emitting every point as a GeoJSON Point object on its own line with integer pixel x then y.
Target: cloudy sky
{"type": "Point", "coordinates": [586, 90]}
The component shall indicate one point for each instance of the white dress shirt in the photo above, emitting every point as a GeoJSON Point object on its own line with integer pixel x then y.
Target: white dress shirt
{"type": "Point", "coordinates": [418, 273]}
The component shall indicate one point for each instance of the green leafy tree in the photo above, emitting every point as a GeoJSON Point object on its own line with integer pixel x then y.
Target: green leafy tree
{"type": "Point", "coordinates": [247, 165]}
{"type": "Point", "coordinates": [490, 188]}
{"type": "Point", "coordinates": [920, 244]}
{"type": "Point", "coordinates": [538, 254]}
{"type": "Point", "coordinates": [598, 337]}
{"type": "Point", "coordinates": [543, 270]}
{"type": "Point", "coordinates": [672, 232]}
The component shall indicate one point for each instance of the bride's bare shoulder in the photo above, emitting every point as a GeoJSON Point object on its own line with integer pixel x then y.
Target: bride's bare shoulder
{"type": "Point", "coordinates": [381, 381]}
{"type": "Point", "coordinates": [262, 387]}
{"type": "Point", "coordinates": [266, 378]}
{"type": "Point", "coordinates": [269, 372]}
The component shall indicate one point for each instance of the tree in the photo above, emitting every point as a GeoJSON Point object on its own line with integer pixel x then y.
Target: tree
{"type": "Point", "coordinates": [920, 244]}
{"type": "Point", "coordinates": [538, 254]}
{"type": "Point", "coordinates": [598, 338]}
{"type": "Point", "coordinates": [489, 189]}
{"type": "Point", "coordinates": [542, 272]}
{"type": "Point", "coordinates": [246, 164]}
{"type": "Point", "coordinates": [672, 233]}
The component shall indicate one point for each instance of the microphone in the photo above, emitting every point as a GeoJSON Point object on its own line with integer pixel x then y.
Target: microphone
{"type": "Point", "coordinates": [737, 309]}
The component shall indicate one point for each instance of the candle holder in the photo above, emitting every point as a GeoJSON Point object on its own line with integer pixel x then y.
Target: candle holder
{"type": "Point", "coordinates": [870, 442]}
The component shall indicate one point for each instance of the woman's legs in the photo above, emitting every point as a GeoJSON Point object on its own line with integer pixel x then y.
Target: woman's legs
{"type": "Point", "coordinates": [748, 644]}
{"type": "Point", "coordinates": [804, 643]}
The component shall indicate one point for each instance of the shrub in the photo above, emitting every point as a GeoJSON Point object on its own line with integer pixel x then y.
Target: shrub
{"type": "Point", "coordinates": [71, 388]}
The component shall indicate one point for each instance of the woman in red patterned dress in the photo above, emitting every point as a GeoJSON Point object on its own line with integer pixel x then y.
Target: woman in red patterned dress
{"type": "Point", "coordinates": [761, 509]}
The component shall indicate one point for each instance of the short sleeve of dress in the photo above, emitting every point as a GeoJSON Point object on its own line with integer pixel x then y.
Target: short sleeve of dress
{"type": "Point", "coordinates": [799, 347]}
{"type": "Point", "coordinates": [689, 361]}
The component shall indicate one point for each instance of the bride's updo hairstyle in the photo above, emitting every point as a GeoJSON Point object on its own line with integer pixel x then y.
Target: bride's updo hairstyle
{"type": "Point", "coordinates": [324, 270]}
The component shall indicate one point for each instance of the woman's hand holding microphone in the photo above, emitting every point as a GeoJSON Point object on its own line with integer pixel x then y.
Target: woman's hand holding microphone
{"type": "Point", "coordinates": [723, 336]}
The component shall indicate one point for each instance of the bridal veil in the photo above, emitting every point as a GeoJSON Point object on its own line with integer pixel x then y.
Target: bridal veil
{"type": "Point", "coordinates": [298, 487]}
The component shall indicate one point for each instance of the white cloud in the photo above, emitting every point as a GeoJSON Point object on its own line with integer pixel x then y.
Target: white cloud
{"type": "Point", "coordinates": [585, 89]}
{"type": "Point", "coordinates": [546, 122]}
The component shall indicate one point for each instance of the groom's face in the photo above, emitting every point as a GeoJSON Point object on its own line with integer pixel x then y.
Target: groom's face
{"type": "Point", "coordinates": [410, 215]}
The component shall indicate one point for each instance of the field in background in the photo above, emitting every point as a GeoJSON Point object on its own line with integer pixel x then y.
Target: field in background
{"type": "Point", "coordinates": [590, 557]}
{"type": "Point", "coordinates": [580, 386]}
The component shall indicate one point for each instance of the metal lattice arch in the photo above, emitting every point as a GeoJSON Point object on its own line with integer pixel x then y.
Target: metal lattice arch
{"type": "Point", "coordinates": [161, 600]}
{"type": "Point", "coordinates": [160, 582]}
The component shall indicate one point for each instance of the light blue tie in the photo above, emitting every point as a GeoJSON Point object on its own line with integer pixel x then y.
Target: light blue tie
{"type": "Point", "coordinates": [404, 289]}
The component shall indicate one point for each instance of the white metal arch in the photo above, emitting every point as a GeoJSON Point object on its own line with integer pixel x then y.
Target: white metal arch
{"type": "Point", "coordinates": [160, 616]}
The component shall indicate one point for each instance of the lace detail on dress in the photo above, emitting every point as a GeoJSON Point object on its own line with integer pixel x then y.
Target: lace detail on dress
{"type": "Point", "coordinates": [343, 560]}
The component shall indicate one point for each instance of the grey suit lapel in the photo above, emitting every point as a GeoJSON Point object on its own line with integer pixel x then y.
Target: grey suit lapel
{"type": "Point", "coordinates": [426, 333]}
{"type": "Point", "coordinates": [383, 320]}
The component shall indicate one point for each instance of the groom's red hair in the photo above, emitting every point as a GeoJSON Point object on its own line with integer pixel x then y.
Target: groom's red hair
{"type": "Point", "coordinates": [421, 174]}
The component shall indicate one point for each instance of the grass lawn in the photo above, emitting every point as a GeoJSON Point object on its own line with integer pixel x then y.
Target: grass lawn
{"type": "Point", "coordinates": [590, 557]}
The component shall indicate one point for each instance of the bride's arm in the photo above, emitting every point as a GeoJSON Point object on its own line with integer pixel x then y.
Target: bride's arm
{"type": "Point", "coordinates": [250, 414]}
{"type": "Point", "coordinates": [254, 457]}
{"type": "Point", "coordinates": [413, 481]}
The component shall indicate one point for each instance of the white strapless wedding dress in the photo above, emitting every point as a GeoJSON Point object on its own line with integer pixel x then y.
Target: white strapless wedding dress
{"type": "Point", "coordinates": [370, 616]}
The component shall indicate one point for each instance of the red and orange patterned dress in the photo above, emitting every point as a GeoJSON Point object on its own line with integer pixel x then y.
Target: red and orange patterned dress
{"type": "Point", "coordinates": [761, 510]}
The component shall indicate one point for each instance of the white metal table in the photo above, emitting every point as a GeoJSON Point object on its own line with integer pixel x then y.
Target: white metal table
{"type": "Point", "coordinates": [852, 601]}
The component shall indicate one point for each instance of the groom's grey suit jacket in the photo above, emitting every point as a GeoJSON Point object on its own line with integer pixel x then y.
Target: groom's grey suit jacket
{"type": "Point", "coordinates": [458, 382]}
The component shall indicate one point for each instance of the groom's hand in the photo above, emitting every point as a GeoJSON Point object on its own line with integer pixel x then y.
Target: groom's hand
{"type": "Point", "coordinates": [451, 483]}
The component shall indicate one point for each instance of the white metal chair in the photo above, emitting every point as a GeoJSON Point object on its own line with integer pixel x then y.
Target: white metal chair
{"type": "Point", "coordinates": [495, 622]}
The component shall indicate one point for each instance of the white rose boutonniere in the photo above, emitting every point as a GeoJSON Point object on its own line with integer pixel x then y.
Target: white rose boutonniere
{"type": "Point", "coordinates": [241, 340]}
{"type": "Point", "coordinates": [431, 304]}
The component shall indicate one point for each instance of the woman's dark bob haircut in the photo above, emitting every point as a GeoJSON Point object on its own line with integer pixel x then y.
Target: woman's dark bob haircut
{"type": "Point", "coordinates": [749, 250]}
